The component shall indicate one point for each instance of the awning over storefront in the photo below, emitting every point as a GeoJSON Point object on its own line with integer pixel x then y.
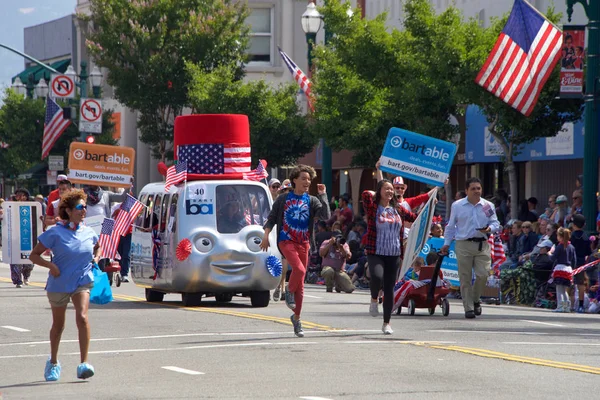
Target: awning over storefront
{"type": "Point", "coordinates": [482, 147]}
{"type": "Point", "coordinates": [40, 72]}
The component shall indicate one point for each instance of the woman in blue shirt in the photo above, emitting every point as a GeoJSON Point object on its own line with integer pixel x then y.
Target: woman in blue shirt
{"type": "Point", "coordinates": [74, 246]}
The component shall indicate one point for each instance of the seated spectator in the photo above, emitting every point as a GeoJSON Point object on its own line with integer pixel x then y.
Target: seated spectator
{"type": "Point", "coordinates": [436, 231]}
{"type": "Point", "coordinates": [335, 252]}
{"type": "Point", "coordinates": [525, 213]}
{"type": "Point", "coordinates": [529, 238]}
{"type": "Point", "coordinates": [542, 260]}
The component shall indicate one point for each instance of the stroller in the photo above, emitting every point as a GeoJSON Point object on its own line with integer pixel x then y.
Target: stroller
{"type": "Point", "coordinates": [415, 294]}
{"type": "Point", "coordinates": [545, 295]}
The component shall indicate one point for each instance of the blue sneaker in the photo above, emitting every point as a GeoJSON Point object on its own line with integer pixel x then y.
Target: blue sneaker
{"type": "Point", "coordinates": [52, 371]}
{"type": "Point", "coordinates": [289, 300]}
{"type": "Point", "coordinates": [84, 371]}
{"type": "Point", "coordinates": [297, 326]}
{"type": "Point", "coordinates": [580, 310]}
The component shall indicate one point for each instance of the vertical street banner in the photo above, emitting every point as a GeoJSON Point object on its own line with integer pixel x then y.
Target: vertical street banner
{"type": "Point", "coordinates": [418, 157]}
{"type": "Point", "coordinates": [21, 225]}
{"type": "Point", "coordinates": [419, 233]}
{"type": "Point", "coordinates": [572, 61]}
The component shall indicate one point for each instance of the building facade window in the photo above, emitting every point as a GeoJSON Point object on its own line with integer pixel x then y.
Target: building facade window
{"type": "Point", "coordinates": [260, 49]}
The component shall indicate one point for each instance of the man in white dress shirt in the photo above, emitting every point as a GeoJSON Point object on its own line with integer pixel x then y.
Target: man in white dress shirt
{"type": "Point", "coordinates": [471, 221]}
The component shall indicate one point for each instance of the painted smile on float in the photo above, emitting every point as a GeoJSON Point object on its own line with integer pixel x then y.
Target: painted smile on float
{"type": "Point", "coordinates": [231, 267]}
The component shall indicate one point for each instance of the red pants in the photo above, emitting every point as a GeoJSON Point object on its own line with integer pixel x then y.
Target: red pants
{"type": "Point", "coordinates": [297, 256]}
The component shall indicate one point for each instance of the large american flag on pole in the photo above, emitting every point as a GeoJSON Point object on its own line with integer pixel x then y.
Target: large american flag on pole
{"type": "Point", "coordinates": [299, 76]}
{"type": "Point", "coordinates": [522, 59]}
{"type": "Point", "coordinates": [176, 174]}
{"type": "Point", "coordinates": [129, 209]}
{"type": "Point", "coordinates": [215, 159]}
{"type": "Point", "coordinates": [109, 241]}
{"type": "Point", "coordinates": [54, 126]}
{"type": "Point", "coordinates": [257, 174]}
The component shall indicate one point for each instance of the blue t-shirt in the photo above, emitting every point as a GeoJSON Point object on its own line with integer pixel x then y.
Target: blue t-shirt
{"type": "Point", "coordinates": [73, 252]}
{"type": "Point", "coordinates": [296, 214]}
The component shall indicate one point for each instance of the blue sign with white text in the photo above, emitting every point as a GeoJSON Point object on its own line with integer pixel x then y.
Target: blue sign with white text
{"type": "Point", "coordinates": [449, 265]}
{"type": "Point", "coordinates": [419, 157]}
{"type": "Point", "coordinates": [25, 228]}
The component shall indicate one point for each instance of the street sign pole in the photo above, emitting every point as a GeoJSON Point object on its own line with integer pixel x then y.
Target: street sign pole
{"type": "Point", "coordinates": [592, 110]}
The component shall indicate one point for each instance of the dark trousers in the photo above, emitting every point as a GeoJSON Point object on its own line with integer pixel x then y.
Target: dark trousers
{"type": "Point", "coordinates": [124, 250]}
{"type": "Point", "coordinates": [383, 271]}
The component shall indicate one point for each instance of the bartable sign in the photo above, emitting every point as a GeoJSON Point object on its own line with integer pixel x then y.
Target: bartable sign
{"type": "Point", "coordinates": [418, 157]}
{"type": "Point", "coordinates": [100, 164]}
{"type": "Point", "coordinates": [21, 225]}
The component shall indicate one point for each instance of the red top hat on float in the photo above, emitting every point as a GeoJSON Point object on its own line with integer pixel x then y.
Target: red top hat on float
{"type": "Point", "coordinates": [215, 146]}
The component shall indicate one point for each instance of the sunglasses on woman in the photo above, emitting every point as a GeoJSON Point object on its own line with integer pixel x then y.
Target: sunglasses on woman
{"type": "Point", "coordinates": [80, 207]}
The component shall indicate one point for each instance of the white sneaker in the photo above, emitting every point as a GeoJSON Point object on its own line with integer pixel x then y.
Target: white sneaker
{"type": "Point", "coordinates": [26, 282]}
{"type": "Point", "coordinates": [387, 329]}
{"type": "Point", "coordinates": [374, 309]}
{"type": "Point", "coordinates": [19, 285]}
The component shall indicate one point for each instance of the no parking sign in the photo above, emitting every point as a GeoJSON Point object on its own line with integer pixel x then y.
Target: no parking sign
{"type": "Point", "coordinates": [90, 116]}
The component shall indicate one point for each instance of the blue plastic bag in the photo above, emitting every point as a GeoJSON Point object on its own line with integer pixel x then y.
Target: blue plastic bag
{"type": "Point", "coordinates": [101, 293]}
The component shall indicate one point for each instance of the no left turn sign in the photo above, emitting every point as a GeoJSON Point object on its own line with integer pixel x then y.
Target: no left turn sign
{"type": "Point", "coordinates": [90, 116]}
{"type": "Point", "coordinates": [62, 86]}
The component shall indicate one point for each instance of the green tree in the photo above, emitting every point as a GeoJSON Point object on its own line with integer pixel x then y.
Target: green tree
{"type": "Point", "coordinates": [508, 126]}
{"type": "Point", "coordinates": [278, 130]}
{"type": "Point", "coordinates": [369, 79]}
{"type": "Point", "coordinates": [145, 44]}
{"type": "Point", "coordinates": [22, 127]}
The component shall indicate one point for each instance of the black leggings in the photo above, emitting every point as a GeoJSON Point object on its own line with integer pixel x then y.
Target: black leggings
{"type": "Point", "coordinates": [383, 268]}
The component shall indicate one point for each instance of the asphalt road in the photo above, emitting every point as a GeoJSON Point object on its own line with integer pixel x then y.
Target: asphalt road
{"type": "Point", "coordinates": [234, 351]}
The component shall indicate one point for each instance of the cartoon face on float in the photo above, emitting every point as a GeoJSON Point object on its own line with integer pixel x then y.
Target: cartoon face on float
{"type": "Point", "coordinates": [223, 221]}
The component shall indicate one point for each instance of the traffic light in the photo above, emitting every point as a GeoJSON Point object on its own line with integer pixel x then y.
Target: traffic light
{"type": "Point", "coordinates": [90, 139]}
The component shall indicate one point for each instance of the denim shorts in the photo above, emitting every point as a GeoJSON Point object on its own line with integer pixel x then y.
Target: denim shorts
{"type": "Point", "coordinates": [60, 299]}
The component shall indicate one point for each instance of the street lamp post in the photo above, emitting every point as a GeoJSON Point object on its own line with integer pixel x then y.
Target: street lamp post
{"type": "Point", "coordinates": [592, 112]}
{"type": "Point", "coordinates": [312, 21]}
{"type": "Point", "coordinates": [41, 89]}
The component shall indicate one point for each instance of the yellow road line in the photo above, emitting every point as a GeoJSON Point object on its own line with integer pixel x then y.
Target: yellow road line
{"type": "Point", "coordinates": [516, 358]}
{"type": "Point", "coordinates": [241, 314]}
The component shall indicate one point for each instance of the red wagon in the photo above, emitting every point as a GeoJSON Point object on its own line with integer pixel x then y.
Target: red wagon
{"type": "Point", "coordinates": [414, 294]}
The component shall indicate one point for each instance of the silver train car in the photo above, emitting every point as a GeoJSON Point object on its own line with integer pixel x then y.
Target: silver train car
{"type": "Point", "coordinates": [202, 239]}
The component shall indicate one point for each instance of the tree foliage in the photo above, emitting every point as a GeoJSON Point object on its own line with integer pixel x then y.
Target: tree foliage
{"type": "Point", "coordinates": [278, 130]}
{"type": "Point", "coordinates": [145, 45]}
{"type": "Point", "coordinates": [369, 79]}
{"type": "Point", "coordinates": [22, 127]}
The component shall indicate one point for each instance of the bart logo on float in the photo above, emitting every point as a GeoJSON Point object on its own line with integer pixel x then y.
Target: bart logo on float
{"type": "Point", "coordinates": [417, 157]}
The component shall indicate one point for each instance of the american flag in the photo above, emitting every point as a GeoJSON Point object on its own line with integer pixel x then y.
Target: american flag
{"type": "Point", "coordinates": [257, 174]}
{"type": "Point", "coordinates": [584, 267]}
{"type": "Point", "coordinates": [497, 253]}
{"type": "Point", "coordinates": [129, 209]}
{"type": "Point", "coordinates": [300, 77]}
{"type": "Point", "coordinates": [405, 289]}
{"type": "Point", "coordinates": [522, 59]}
{"type": "Point", "coordinates": [215, 159]}
{"type": "Point", "coordinates": [109, 241]}
{"type": "Point", "coordinates": [175, 174]}
{"type": "Point", "coordinates": [54, 126]}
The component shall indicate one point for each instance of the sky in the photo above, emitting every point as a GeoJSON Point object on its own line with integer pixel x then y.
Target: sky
{"type": "Point", "coordinates": [15, 15]}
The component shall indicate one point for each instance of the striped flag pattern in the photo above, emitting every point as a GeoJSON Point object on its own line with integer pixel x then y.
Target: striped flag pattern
{"type": "Point", "coordinates": [522, 59]}
{"type": "Point", "coordinates": [300, 77]}
{"type": "Point", "coordinates": [497, 253]}
{"type": "Point", "coordinates": [128, 211]}
{"type": "Point", "coordinates": [175, 174]}
{"type": "Point", "coordinates": [257, 174]}
{"type": "Point", "coordinates": [404, 290]}
{"type": "Point", "coordinates": [108, 240]}
{"type": "Point", "coordinates": [216, 159]}
{"type": "Point", "coordinates": [584, 267]}
{"type": "Point", "coordinates": [54, 126]}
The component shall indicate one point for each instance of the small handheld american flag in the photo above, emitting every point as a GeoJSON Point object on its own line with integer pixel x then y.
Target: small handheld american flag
{"type": "Point", "coordinates": [522, 59]}
{"type": "Point", "coordinates": [129, 209]}
{"type": "Point", "coordinates": [175, 174]}
{"type": "Point", "coordinates": [108, 240]}
{"type": "Point", "coordinates": [257, 174]}
{"type": "Point", "coordinates": [300, 77]}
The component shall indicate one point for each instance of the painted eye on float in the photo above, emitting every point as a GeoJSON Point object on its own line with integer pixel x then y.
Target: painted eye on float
{"type": "Point", "coordinates": [253, 243]}
{"type": "Point", "coordinates": [204, 245]}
